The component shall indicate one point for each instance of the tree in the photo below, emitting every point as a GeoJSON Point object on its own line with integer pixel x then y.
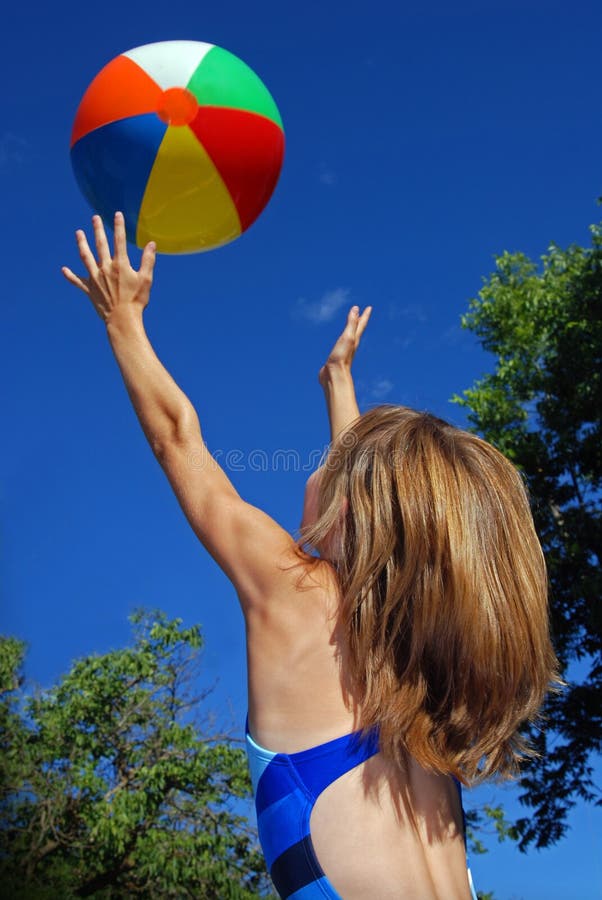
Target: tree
{"type": "Point", "coordinates": [542, 407]}
{"type": "Point", "coordinates": [111, 787]}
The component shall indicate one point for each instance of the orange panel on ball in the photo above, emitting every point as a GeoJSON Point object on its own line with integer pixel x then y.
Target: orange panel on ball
{"type": "Point", "coordinates": [120, 90]}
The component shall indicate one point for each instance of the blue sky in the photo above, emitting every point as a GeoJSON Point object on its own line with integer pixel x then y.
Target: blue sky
{"type": "Point", "coordinates": [421, 141]}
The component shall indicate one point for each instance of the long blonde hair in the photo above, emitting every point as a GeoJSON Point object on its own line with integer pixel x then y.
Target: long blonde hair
{"type": "Point", "coordinates": [443, 589]}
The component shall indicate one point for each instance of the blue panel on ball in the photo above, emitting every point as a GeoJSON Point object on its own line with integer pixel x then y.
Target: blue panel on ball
{"type": "Point", "coordinates": [112, 165]}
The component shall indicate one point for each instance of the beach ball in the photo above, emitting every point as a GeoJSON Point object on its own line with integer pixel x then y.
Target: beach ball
{"type": "Point", "coordinates": [184, 139]}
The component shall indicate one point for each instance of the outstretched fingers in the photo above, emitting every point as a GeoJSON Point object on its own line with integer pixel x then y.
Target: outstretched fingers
{"type": "Point", "coordinates": [102, 245]}
{"type": "Point", "coordinates": [121, 252]}
{"type": "Point", "coordinates": [72, 278]}
{"type": "Point", "coordinates": [356, 324]}
{"type": "Point", "coordinates": [110, 281]}
{"type": "Point", "coordinates": [86, 255]}
{"type": "Point", "coordinates": [362, 322]}
{"type": "Point", "coordinates": [147, 262]}
{"type": "Point", "coordinates": [352, 317]}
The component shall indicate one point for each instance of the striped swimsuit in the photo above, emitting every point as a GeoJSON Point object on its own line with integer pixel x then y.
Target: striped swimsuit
{"type": "Point", "coordinates": [286, 788]}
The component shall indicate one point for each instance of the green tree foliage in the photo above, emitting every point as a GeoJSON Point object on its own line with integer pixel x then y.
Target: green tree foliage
{"type": "Point", "coordinates": [542, 407]}
{"type": "Point", "coordinates": [111, 787]}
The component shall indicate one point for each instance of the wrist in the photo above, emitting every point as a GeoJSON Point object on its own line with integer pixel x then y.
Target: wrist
{"type": "Point", "coordinates": [335, 373]}
{"type": "Point", "coordinates": [124, 319]}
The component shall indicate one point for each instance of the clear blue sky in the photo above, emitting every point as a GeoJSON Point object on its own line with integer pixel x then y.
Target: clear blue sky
{"type": "Point", "coordinates": [422, 139]}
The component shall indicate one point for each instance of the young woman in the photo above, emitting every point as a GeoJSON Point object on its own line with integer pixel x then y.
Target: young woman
{"type": "Point", "coordinates": [394, 650]}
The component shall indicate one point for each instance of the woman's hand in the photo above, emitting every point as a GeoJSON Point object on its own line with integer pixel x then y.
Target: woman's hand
{"type": "Point", "coordinates": [335, 375]}
{"type": "Point", "coordinates": [341, 355]}
{"type": "Point", "coordinates": [112, 284]}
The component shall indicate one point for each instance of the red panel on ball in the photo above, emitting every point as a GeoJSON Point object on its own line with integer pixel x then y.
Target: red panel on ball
{"type": "Point", "coordinates": [247, 150]}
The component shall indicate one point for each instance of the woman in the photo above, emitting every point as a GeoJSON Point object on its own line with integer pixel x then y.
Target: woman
{"type": "Point", "coordinates": [393, 651]}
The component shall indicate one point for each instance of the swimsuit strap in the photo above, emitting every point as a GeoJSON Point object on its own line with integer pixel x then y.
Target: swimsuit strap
{"type": "Point", "coordinates": [315, 768]}
{"type": "Point", "coordinates": [323, 764]}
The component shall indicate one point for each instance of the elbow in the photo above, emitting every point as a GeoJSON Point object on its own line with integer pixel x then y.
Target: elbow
{"type": "Point", "coordinates": [181, 434]}
{"type": "Point", "coordinates": [161, 445]}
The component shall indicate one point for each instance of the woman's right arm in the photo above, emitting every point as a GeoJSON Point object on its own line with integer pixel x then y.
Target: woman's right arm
{"type": "Point", "coordinates": [251, 548]}
{"type": "Point", "coordinates": [335, 375]}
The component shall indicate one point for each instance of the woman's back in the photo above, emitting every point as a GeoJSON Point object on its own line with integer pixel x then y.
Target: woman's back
{"type": "Point", "coordinates": [376, 831]}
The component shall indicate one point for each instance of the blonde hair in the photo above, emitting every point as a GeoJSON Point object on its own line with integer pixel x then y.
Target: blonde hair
{"type": "Point", "coordinates": [443, 591]}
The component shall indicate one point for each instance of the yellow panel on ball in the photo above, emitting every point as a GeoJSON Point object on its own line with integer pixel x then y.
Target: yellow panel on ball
{"type": "Point", "coordinates": [186, 205]}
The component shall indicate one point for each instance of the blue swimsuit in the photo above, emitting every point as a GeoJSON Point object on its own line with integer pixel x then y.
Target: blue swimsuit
{"type": "Point", "coordinates": [286, 788]}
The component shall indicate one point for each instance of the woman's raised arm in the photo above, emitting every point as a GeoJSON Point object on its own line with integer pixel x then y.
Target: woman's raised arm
{"type": "Point", "coordinates": [335, 375]}
{"type": "Point", "coordinates": [251, 548]}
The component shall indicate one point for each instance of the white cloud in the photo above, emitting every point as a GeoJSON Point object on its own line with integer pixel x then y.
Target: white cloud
{"type": "Point", "coordinates": [375, 391]}
{"type": "Point", "coordinates": [13, 149]}
{"type": "Point", "coordinates": [406, 341]}
{"type": "Point", "coordinates": [451, 337]}
{"type": "Point", "coordinates": [327, 176]}
{"type": "Point", "coordinates": [324, 309]}
{"type": "Point", "coordinates": [415, 312]}
{"type": "Point", "coordinates": [380, 388]}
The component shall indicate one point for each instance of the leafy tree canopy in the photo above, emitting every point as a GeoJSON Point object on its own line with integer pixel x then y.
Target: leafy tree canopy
{"type": "Point", "coordinates": [542, 407]}
{"type": "Point", "coordinates": [110, 785]}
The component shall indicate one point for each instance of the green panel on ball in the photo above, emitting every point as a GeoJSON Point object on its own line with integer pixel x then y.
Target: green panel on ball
{"type": "Point", "coordinates": [222, 79]}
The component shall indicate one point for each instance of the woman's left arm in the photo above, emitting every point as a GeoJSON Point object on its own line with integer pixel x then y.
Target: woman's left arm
{"type": "Point", "coordinates": [244, 541]}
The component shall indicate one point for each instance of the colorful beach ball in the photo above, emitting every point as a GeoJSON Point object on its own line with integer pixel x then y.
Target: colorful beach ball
{"type": "Point", "coordinates": [182, 137]}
